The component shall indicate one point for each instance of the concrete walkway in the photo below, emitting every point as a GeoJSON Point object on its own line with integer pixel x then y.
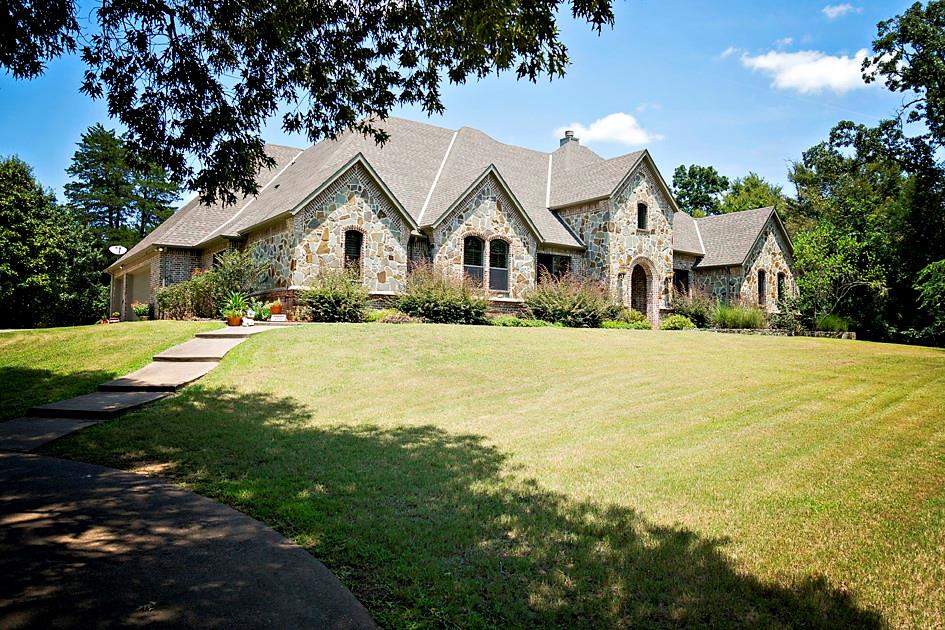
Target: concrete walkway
{"type": "Point", "coordinates": [83, 546]}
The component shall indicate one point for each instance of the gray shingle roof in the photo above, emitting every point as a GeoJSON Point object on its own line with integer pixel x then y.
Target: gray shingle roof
{"type": "Point", "coordinates": [193, 223]}
{"type": "Point", "coordinates": [728, 238]}
{"type": "Point", "coordinates": [686, 236]}
{"type": "Point", "coordinates": [426, 168]}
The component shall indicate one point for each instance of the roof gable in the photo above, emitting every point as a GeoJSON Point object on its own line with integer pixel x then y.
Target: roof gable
{"type": "Point", "coordinates": [728, 238]}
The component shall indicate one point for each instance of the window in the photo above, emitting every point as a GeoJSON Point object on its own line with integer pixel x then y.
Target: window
{"type": "Point", "coordinates": [762, 288]}
{"type": "Point", "coordinates": [780, 286]}
{"type": "Point", "coordinates": [419, 252]}
{"type": "Point", "coordinates": [552, 266]}
{"type": "Point", "coordinates": [681, 281]}
{"type": "Point", "coordinates": [473, 248]}
{"type": "Point", "coordinates": [641, 216]}
{"type": "Point", "coordinates": [498, 265]}
{"type": "Point", "coordinates": [353, 241]}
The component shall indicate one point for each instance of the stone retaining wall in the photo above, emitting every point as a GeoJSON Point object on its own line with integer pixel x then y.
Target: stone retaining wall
{"type": "Point", "coordinates": [783, 333]}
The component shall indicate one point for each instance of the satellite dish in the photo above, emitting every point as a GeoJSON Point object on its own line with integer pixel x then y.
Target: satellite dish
{"type": "Point", "coordinates": [118, 250]}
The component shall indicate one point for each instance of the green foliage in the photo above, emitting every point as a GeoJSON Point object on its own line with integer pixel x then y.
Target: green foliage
{"type": "Point", "coordinates": [50, 264]}
{"type": "Point", "coordinates": [205, 294]}
{"type": "Point", "coordinates": [141, 310]}
{"type": "Point", "coordinates": [260, 310]}
{"type": "Point", "coordinates": [194, 82]}
{"type": "Point", "coordinates": [119, 201]}
{"type": "Point", "coordinates": [737, 316]}
{"type": "Point", "coordinates": [377, 314]}
{"type": "Point", "coordinates": [750, 192]}
{"type": "Point", "coordinates": [698, 307]}
{"type": "Point", "coordinates": [235, 305]}
{"type": "Point", "coordinates": [625, 325]}
{"type": "Point", "coordinates": [571, 301]}
{"type": "Point", "coordinates": [698, 188]}
{"type": "Point", "coordinates": [620, 313]}
{"type": "Point", "coordinates": [677, 322]}
{"type": "Point", "coordinates": [443, 299]}
{"type": "Point", "coordinates": [236, 270]}
{"type": "Point", "coordinates": [400, 318]}
{"type": "Point", "coordinates": [931, 288]}
{"type": "Point", "coordinates": [789, 316]}
{"type": "Point", "coordinates": [511, 321]}
{"type": "Point", "coordinates": [174, 301]}
{"type": "Point", "coordinates": [335, 296]}
{"type": "Point", "coordinates": [832, 323]}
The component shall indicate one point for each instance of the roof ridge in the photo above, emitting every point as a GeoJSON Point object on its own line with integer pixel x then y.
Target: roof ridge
{"type": "Point", "coordinates": [436, 178]}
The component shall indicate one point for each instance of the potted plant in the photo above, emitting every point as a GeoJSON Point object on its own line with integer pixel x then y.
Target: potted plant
{"type": "Point", "coordinates": [261, 310]}
{"type": "Point", "coordinates": [275, 307]}
{"type": "Point", "coordinates": [141, 311]}
{"type": "Point", "coordinates": [234, 308]}
{"type": "Point", "coordinates": [115, 318]}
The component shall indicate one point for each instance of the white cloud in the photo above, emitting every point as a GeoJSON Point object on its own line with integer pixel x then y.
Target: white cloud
{"type": "Point", "coordinates": [617, 127]}
{"type": "Point", "coordinates": [784, 41]}
{"type": "Point", "coordinates": [728, 52]}
{"type": "Point", "coordinates": [834, 11]}
{"type": "Point", "coordinates": [642, 107]}
{"type": "Point", "coordinates": [809, 71]}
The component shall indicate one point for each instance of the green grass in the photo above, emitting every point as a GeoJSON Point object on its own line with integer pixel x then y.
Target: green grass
{"type": "Point", "coordinates": [496, 477]}
{"type": "Point", "coordinates": [42, 366]}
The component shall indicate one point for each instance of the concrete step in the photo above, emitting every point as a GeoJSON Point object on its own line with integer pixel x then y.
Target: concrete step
{"type": "Point", "coordinates": [25, 434]}
{"type": "Point", "coordinates": [97, 406]}
{"type": "Point", "coordinates": [160, 376]}
{"type": "Point", "coordinates": [232, 332]}
{"type": "Point", "coordinates": [200, 350]}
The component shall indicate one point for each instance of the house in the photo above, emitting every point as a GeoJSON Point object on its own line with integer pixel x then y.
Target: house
{"type": "Point", "coordinates": [470, 205]}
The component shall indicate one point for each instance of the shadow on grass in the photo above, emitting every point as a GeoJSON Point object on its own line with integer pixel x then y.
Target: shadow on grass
{"type": "Point", "coordinates": [429, 528]}
{"type": "Point", "coordinates": [27, 387]}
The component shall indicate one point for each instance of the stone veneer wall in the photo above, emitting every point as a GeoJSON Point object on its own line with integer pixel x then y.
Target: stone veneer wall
{"type": "Point", "coordinates": [615, 246]}
{"type": "Point", "coordinates": [772, 254]}
{"type": "Point", "coordinates": [487, 212]}
{"type": "Point", "coordinates": [313, 240]}
{"type": "Point", "coordinates": [722, 283]}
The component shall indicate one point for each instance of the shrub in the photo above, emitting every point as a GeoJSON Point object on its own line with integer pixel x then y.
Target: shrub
{"type": "Point", "coordinates": [377, 314]}
{"type": "Point", "coordinates": [441, 298]}
{"type": "Point", "coordinates": [677, 322]}
{"type": "Point", "coordinates": [571, 301]}
{"type": "Point", "coordinates": [207, 293]}
{"type": "Point", "coordinates": [235, 305]}
{"type": "Point", "coordinates": [629, 316]}
{"type": "Point", "coordinates": [518, 322]}
{"type": "Point", "coordinates": [237, 271]}
{"type": "Point", "coordinates": [260, 310]}
{"type": "Point", "coordinates": [174, 301]}
{"type": "Point", "coordinates": [698, 308]}
{"type": "Point", "coordinates": [619, 323]}
{"type": "Point", "coordinates": [335, 296]}
{"type": "Point", "coordinates": [396, 317]}
{"type": "Point", "coordinates": [141, 309]}
{"type": "Point", "coordinates": [788, 317]}
{"type": "Point", "coordinates": [833, 323]}
{"type": "Point", "coordinates": [726, 316]}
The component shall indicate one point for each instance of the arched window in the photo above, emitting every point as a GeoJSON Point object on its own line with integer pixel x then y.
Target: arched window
{"type": "Point", "coordinates": [780, 286]}
{"type": "Point", "coordinates": [641, 216]}
{"type": "Point", "coordinates": [498, 265]}
{"type": "Point", "coordinates": [638, 290]}
{"type": "Point", "coordinates": [762, 287]}
{"type": "Point", "coordinates": [353, 242]}
{"type": "Point", "coordinates": [473, 248]}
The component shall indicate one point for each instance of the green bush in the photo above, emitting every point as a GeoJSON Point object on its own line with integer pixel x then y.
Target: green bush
{"type": "Point", "coordinates": [235, 305]}
{"type": "Point", "coordinates": [396, 317]}
{"type": "Point", "coordinates": [518, 322]}
{"type": "Point", "coordinates": [571, 301]}
{"type": "Point", "coordinates": [443, 299]}
{"type": "Point", "coordinates": [727, 316]}
{"type": "Point", "coordinates": [335, 296]}
{"type": "Point", "coordinates": [377, 314]}
{"type": "Point", "coordinates": [698, 308]}
{"type": "Point", "coordinates": [833, 323]}
{"type": "Point", "coordinates": [174, 301]}
{"type": "Point", "coordinates": [629, 316]}
{"type": "Point", "coordinates": [625, 325]}
{"type": "Point", "coordinates": [677, 322]}
{"type": "Point", "coordinates": [788, 316]}
{"type": "Point", "coordinates": [261, 311]}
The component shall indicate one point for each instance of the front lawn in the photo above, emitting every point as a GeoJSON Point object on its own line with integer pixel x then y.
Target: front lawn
{"type": "Point", "coordinates": [496, 477]}
{"type": "Point", "coordinates": [46, 365]}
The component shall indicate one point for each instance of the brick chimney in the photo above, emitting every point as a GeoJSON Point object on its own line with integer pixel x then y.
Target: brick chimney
{"type": "Point", "coordinates": [568, 137]}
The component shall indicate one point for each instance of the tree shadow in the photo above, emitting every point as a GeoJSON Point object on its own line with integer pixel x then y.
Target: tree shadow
{"type": "Point", "coordinates": [429, 528]}
{"type": "Point", "coordinates": [27, 387]}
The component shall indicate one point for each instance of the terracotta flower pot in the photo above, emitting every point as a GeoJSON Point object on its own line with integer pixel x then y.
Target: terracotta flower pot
{"type": "Point", "coordinates": [276, 309]}
{"type": "Point", "coordinates": [234, 321]}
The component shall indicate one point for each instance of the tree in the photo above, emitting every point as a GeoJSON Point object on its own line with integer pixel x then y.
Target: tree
{"type": "Point", "coordinates": [750, 192]}
{"type": "Point", "coordinates": [121, 201]}
{"type": "Point", "coordinates": [194, 81]}
{"type": "Point", "coordinates": [698, 188]}
{"type": "Point", "coordinates": [931, 287]}
{"type": "Point", "coordinates": [50, 264]}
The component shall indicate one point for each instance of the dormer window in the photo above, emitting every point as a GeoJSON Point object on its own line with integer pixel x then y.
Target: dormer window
{"type": "Point", "coordinates": [641, 216]}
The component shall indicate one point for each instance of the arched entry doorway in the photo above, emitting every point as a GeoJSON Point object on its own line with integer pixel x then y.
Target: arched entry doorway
{"type": "Point", "coordinates": [638, 290]}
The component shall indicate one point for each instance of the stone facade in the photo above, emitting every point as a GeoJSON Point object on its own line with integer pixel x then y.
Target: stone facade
{"type": "Point", "coordinates": [488, 213]}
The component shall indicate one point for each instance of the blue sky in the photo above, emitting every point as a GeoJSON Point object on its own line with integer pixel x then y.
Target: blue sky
{"type": "Point", "coordinates": [743, 86]}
